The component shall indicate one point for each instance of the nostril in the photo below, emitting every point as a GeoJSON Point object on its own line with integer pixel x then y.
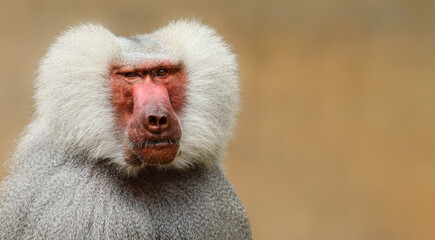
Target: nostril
{"type": "Point", "coordinates": [163, 121]}
{"type": "Point", "coordinates": [152, 120]}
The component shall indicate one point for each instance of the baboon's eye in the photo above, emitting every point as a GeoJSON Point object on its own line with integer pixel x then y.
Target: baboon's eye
{"type": "Point", "coordinates": [161, 73]}
{"type": "Point", "coordinates": [131, 75]}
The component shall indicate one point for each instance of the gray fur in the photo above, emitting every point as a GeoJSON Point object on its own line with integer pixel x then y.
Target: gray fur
{"type": "Point", "coordinates": [68, 178]}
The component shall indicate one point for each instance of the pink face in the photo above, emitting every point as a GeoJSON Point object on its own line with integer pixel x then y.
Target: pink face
{"type": "Point", "coordinates": [146, 98]}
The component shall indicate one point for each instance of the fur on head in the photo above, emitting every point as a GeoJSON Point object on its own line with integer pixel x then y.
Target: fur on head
{"type": "Point", "coordinates": [73, 93]}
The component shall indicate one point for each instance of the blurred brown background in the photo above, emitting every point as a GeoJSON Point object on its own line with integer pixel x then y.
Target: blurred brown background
{"type": "Point", "coordinates": [336, 139]}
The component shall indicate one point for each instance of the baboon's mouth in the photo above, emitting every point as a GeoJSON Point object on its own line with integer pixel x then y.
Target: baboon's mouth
{"type": "Point", "coordinates": [154, 143]}
{"type": "Point", "coordinates": [153, 152]}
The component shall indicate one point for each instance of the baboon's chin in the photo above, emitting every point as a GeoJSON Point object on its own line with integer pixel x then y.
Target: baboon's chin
{"type": "Point", "coordinates": [156, 153]}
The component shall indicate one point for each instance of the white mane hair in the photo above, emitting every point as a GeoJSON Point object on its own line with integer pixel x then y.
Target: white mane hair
{"type": "Point", "coordinates": [73, 97]}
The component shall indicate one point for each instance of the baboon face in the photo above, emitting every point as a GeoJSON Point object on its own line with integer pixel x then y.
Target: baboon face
{"type": "Point", "coordinates": [147, 97]}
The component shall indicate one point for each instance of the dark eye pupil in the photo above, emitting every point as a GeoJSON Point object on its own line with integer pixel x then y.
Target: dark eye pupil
{"type": "Point", "coordinates": [162, 72]}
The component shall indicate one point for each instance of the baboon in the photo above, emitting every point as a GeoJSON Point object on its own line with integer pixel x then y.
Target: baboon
{"type": "Point", "coordinates": [127, 139]}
